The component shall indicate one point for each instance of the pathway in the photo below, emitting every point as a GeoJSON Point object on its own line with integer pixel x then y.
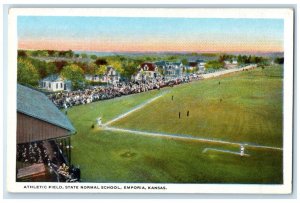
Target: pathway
{"type": "Point", "coordinates": [187, 137]}
{"type": "Point", "coordinates": [135, 109]}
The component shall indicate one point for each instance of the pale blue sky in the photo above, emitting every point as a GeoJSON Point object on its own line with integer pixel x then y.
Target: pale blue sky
{"type": "Point", "coordinates": [137, 30]}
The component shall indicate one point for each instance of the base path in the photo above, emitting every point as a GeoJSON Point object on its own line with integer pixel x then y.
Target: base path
{"type": "Point", "coordinates": [135, 109]}
{"type": "Point", "coordinates": [219, 73]}
{"type": "Point", "coordinates": [223, 151]}
{"type": "Point", "coordinates": [187, 137]}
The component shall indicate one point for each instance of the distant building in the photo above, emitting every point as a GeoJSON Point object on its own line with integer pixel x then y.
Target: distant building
{"type": "Point", "coordinates": [234, 62]}
{"type": "Point", "coordinates": [92, 78]}
{"type": "Point", "coordinates": [198, 65]}
{"type": "Point", "coordinates": [170, 69]}
{"type": "Point", "coordinates": [147, 71]}
{"type": "Point", "coordinates": [231, 63]}
{"type": "Point", "coordinates": [55, 83]}
{"type": "Point", "coordinates": [112, 76]}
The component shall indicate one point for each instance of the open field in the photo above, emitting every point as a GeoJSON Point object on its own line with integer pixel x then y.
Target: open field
{"type": "Point", "coordinates": [243, 107]}
{"type": "Point", "coordinates": [250, 112]}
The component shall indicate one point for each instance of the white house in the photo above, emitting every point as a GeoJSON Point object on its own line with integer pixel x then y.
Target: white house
{"type": "Point", "coordinates": [147, 71]}
{"type": "Point", "coordinates": [198, 64]}
{"type": "Point", "coordinates": [111, 76]}
{"type": "Point", "coordinates": [55, 83]}
{"type": "Point", "coordinates": [231, 63]}
{"type": "Point", "coordinates": [92, 78]}
{"type": "Point", "coordinates": [171, 69]}
{"type": "Point", "coordinates": [201, 65]}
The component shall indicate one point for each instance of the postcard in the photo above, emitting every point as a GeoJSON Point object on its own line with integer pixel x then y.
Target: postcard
{"type": "Point", "coordinates": [150, 100]}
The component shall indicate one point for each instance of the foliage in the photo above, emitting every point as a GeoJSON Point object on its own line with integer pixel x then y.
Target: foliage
{"type": "Point", "coordinates": [59, 65]}
{"type": "Point", "coordinates": [101, 70]}
{"type": "Point", "coordinates": [279, 60]}
{"type": "Point", "coordinates": [83, 55]}
{"type": "Point", "coordinates": [226, 57]}
{"type": "Point", "coordinates": [184, 62]}
{"type": "Point", "coordinates": [94, 57]}
{"type": "Point", "coordinates": [74, 73]}
{"type": "Point", "coordinates": [116, 64]}
{"type": "Point", "coordinates": [27, 73]}
{"type": "Point", "coordinates": [101, 61]}
{"type": "Point", "coordinates": [22, 53]}
{"type": "Point", "coordinates": [130, 68]}
{"type": "Point", "coordinates": [50, 53]}
{"type": "Point", "coordinates": [214, 65]}
{"type": "Point", "coordinates": [244, 59]}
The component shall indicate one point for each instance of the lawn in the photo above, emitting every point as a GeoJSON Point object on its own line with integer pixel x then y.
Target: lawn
{"type": "Point", "coordinates": [244, 107]}
{"type": "Point", "coordinates": [250, 111]}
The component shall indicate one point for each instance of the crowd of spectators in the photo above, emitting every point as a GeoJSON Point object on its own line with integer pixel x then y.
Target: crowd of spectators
{"type": "Point", "coordinates": [96, 93]}
{"type": "Point", "coordinates": [32, 153]}
{"type": "Point", "coordinates": [36, 153]}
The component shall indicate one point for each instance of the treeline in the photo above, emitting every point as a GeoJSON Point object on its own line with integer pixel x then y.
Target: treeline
{"type": "Point", "coordinates": [241, 60]}
{"type": "Point", "coordinates": [46, 53]}
{"type": "Point", "coordinates": [31, 70]}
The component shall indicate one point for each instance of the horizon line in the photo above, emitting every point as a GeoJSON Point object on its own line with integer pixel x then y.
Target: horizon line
{"type": "Point", "coordinates": [152, 51]}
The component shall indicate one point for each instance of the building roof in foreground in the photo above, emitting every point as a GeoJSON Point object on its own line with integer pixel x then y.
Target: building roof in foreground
{"type": "Point", "coordinates": [36, 104]}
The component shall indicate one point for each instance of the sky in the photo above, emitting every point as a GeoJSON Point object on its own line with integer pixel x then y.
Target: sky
{"type": "Point", "coordinates": [129, 34]}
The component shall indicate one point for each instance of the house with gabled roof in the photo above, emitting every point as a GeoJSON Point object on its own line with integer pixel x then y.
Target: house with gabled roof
{"type": "Point", "coordinates": [112, 75]}
{"type": "Point", "coordinates": [147, 71]}
{"type": "Point", "coordinates": [196, 64]}
{"type": "Point", "coordinates": [170, 69]}
{"type": "Point", "coordinates": [55, 83]}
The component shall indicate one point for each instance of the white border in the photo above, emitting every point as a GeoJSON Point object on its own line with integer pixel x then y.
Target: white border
{"type": "Point", "coordinates": [286, 14]}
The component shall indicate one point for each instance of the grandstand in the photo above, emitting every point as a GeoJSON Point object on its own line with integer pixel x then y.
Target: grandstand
{"type": "Point", "coordinates": [43, 137]}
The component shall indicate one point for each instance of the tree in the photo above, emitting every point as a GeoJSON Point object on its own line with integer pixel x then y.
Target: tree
{"type": "Point", "coordinates": [74, 73]}
{"type": "Point", "coordinates": [92, 67]}
{"type": "Point", "coordinates": [69, 53]}
{"type": "Point", "coordinates": [59, 65]}
{"type": "Point", "coordinates": [50, 68]}
{"type": "Point", "coordinates": [94, 57]}
{"type": "Point", "coordinates": [83, 55]}
{"type": "Point", "coordinates": [116, 64]}
{"type": "Point", "coordinates": [27, 74]}
{"type": "Point", "coordinates": [22, 53]}
{"type": "Point", "coordinates": [222, 58]}
{"type": "Point", "coordinates": [130, 68]}
{"type": "Point", "coordinates": [40, 66]}
{"type": "Point", "coordinates": [100, 70]}
{"type": "Point", "coordinates": [184, 61]}
{"type": "Point", "coordinates": [101, 61]}
{"type": "Point", "coordinates": [279, 60]}
{"type": "Point", "coordinates": [214, 65]}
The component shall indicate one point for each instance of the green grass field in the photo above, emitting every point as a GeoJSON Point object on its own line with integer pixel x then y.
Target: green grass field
{"type": "Point", "coordinates": [250, 112]}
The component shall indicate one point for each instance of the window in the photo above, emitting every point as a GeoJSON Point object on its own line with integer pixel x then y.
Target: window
{"type": "Point", "coordinates": [49, 85]}
{"type": "Point", "coordinates": [56, 85]}
{"type": "Point", "coordinates": [61, 85]}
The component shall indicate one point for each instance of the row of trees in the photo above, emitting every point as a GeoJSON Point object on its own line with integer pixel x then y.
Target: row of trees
{"type": "Point", "coordinates": [31, 70]}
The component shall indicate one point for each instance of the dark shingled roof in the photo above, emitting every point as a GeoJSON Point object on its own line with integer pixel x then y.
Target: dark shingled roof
{"type": "Point", "coordinates": [37, 105]}
{"type": "Point", "coordinates": [151, 66]}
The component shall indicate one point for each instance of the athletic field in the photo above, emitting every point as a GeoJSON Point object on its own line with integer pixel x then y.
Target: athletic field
{"type": "Point", "coordinates": [144, 139]}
